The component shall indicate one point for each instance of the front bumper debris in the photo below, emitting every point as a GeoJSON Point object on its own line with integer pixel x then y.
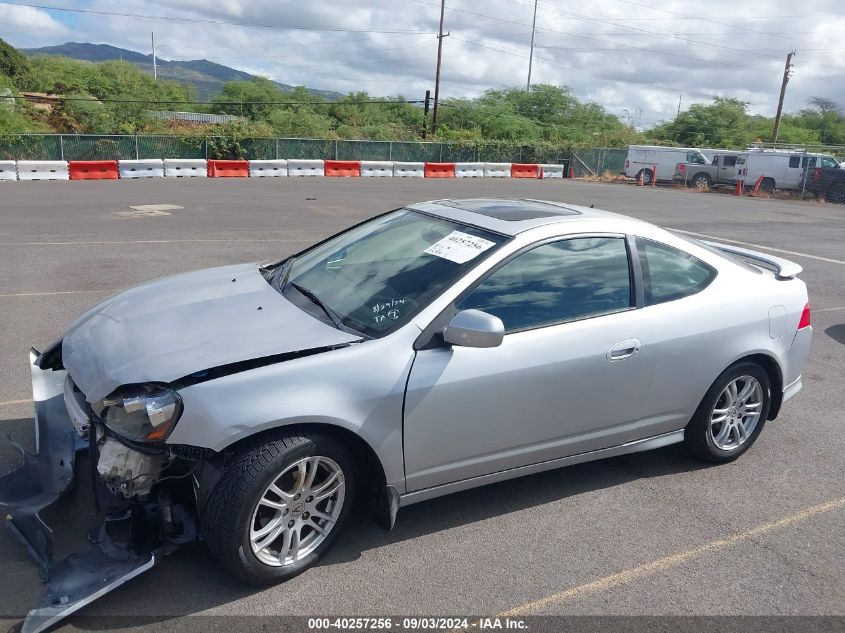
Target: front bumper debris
{"type": "Point", "coordinates": [83, 576]}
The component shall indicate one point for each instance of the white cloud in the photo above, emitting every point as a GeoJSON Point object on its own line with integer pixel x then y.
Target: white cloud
{"type": "Point", "coordinates": [26, 26]}
{"type": "Point", "coordinates": [621, 53]}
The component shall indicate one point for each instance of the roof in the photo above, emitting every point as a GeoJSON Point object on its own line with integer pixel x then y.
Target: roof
{"type": "Point", "coordinates": [510, 216]}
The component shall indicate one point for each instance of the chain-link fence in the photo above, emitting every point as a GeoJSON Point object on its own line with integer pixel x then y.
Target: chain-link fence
{"type": "Point", "coordinates": [114, 147]}
{"type": "Point", "coordinates": [598, 161]}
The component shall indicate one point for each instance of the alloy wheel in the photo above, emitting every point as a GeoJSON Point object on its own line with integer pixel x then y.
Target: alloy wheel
{"type": "Point", "coordinates": [736, 413]}
{"type": "Point", "coordinates": [297, 511]}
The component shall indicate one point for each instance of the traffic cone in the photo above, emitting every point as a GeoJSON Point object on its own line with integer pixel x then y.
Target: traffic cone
{"type": "Point", "coordinates": [654, 176]}
{"type": "Point", "coordinates": [757, 186]}
{"type": "Point", "coordinates": [572, 172]}
{"type": "Point", "coordinates": [738, 188]}
{"type": "Point", "coordinates": [640, 179]}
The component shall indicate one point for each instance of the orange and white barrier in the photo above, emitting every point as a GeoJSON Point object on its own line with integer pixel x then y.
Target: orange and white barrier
{"type": "Point", "coordinates": [93, 169]}
{"type": "Point", "coordinates": [376, 168]}
{"type": "Point", "coordinates": [147, 168]}
{"type": "Point", "coordinates": [214, 168]}
{"type": "Point", "coordinates": [228, 169]}
{"type": "Point", "coordinates": [497, 170]}
{"type": "Point", "coordinates": [408, 170]}
{"type": "Point", "coordinates": [42, 170]}
{"type": "Point", "coordinates": [268, 168]}
{"type": "Point", "coordinates": [342, 168]}
{"type": "Point", "coordinates": [306, 168]}
{"type": "Point", "coordinates": [551, 171]}
{"type": "Point", "coordinates": [469, 170]}
{"type": "Point", "coordinates": [525, 170]}
{"type": "Point", "coordinates": [8, 170]}
{"type": "Point", "coordinates": [185, 168]}
{"type": "Point", "coordinates": [439, 170]}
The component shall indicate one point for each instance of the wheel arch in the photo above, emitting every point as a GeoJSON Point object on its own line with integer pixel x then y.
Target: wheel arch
{"type": "Point", "coordinates": [381, 497]}
{"type": "Point", "coordinates": [773, 370]}
{"type": "Point", "coordinates": [371, 469]}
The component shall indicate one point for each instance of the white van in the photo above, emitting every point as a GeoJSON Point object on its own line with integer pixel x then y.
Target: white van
{"type": "Point", "coordinates": [780, 169]}
{"type": "Point", "coordinates": [641, 159]}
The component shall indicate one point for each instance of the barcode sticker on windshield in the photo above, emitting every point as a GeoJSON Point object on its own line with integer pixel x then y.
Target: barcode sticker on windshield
{"type": "Point", "coordinates": [459, 247]}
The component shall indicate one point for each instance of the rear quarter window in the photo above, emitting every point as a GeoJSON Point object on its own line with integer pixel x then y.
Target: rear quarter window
{"type": "Point", "coordinates": [669, 273]}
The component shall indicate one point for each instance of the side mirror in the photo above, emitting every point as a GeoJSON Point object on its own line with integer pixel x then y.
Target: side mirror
{"type": "Point", "coordinates": [474, 328]}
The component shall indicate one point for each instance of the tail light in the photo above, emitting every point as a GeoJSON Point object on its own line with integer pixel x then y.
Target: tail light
{"type": "Point", "coordinates": [681, 167]}
{"type": "Point", "coordinates": [627, 163]}
{"type": "Point", "coordinates": [817, 174]}
{"type": "Point", "coordinates": [805, 318]}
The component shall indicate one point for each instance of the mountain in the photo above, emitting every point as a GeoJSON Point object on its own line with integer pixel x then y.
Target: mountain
{"type": "Point", "coordinates": [206, 76]}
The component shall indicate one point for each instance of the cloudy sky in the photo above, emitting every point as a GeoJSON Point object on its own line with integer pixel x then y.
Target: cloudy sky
{"type": "Point", "coordinates": [635, 57]}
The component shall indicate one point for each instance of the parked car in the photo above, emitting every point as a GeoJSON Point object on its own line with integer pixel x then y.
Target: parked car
{"type": "Point", "coordinates": [642, 159]}
{"type": "Point", "coordinates": [827, 183]}
{"type": "Point", "coordinates": [720, 171]}
{"type": "Point", "coordinates": [432, 349]}
{"type": "Point", "coordinates": [780, 169]}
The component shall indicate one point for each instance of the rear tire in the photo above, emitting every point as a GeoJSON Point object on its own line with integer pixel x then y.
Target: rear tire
{"type": "Point", "coordinates": [731, 415]}
{"type": "Point", "coordinates": [836, 193]}
{"type": "Point", "coordinates": [278, 485]}
{"type": "Point", "coordinates": [646, 175]}
{"type": "Point", "coordinates": [701, 182]}
{"type": "Point", "coordinates": [767, 185]}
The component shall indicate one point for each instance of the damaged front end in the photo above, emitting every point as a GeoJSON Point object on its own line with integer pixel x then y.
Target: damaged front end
{"type": "Point", "coordinates": [148, 493]}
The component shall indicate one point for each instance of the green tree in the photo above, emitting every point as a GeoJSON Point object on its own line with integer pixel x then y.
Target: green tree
{"type": "Point", "coordinates": [14, 65]}
{"type": "Point", "coordinates": [253, 99]}
{"type": "Point", "coordinates": [724, 123]}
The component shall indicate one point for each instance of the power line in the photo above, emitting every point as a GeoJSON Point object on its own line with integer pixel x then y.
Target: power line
{"type": "Point", "coordinates": [209, 21]}
{"type": "Point", "coordinates": [591, 36]}
{"type": "Point", "coordinates": [219, 103]}
{"type": "Point", "coordinates": [606, 76]}
{"type": "Point", "coordinates": [711, 21]}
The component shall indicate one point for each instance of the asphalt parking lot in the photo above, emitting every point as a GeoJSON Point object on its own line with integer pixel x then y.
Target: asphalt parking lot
{"type": "Point", "coordinates": [646, 534]}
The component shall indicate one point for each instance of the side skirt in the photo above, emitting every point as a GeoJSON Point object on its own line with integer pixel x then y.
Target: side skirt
{"type": "Point", "coordinates": [647, 444]}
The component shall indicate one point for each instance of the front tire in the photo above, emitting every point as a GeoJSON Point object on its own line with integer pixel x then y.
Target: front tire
{"type": "Point", "coordinates": [731, 415]}
{"type": "Point", "coordinates": [280, 504]}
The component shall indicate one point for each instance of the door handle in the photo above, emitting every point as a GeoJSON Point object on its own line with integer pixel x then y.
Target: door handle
{"type": "Point", "coordinates": [624, 349]}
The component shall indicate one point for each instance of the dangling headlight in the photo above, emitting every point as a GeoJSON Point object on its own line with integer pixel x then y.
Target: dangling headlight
{"type": "Point", "coordinates": [140, 413]}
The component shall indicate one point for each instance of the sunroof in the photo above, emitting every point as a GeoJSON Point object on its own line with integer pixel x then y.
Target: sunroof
{"type": "Point", "coordinates": [510, 210]}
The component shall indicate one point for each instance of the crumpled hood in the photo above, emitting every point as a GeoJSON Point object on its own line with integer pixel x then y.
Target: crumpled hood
{"type": "Point", "coordinates": [172, 327]}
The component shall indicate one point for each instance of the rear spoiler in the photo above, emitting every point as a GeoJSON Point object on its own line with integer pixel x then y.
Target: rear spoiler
{"type": "Point", "coordinates": [783, 268]}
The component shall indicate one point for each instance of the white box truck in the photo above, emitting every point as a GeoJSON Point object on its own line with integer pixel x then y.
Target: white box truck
{"type": "Point", "coordinates": [780, 169]}
{"type": "Point", "coordinates": [642, 159]}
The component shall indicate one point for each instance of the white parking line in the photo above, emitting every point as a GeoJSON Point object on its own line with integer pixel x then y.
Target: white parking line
{"type": "Point", "coordinates": [8, 403]}
{"type": "Point", "coordinates": [767, 248]}
{"type": "Point", "coordinates": [145, 242]}
{"type": "Point", "coordinates": [828, 309]}
{"type": "Point", "coordinates": [50, 294]}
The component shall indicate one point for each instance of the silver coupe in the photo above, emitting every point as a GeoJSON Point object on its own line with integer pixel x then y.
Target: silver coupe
{"type": "Point", "coordinates": [432, 349]}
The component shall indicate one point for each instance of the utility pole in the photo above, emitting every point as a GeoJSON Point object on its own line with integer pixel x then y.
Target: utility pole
{"type": "Point", "coordinates": [425, 113]}
{"type": "Point", "coordinates": [531, 54]}
{"type": "Point", "coordinates": [440, 37]}
{"type": "Point", "coordinates": [155, 69]}
{"type": "Point", "coordinates": [680, 96]}
{"type": "Point", "coordinates": [786, 72]}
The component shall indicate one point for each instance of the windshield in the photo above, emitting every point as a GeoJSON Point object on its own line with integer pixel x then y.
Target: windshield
{"type": "Point", "coordinates": [375, 277]}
